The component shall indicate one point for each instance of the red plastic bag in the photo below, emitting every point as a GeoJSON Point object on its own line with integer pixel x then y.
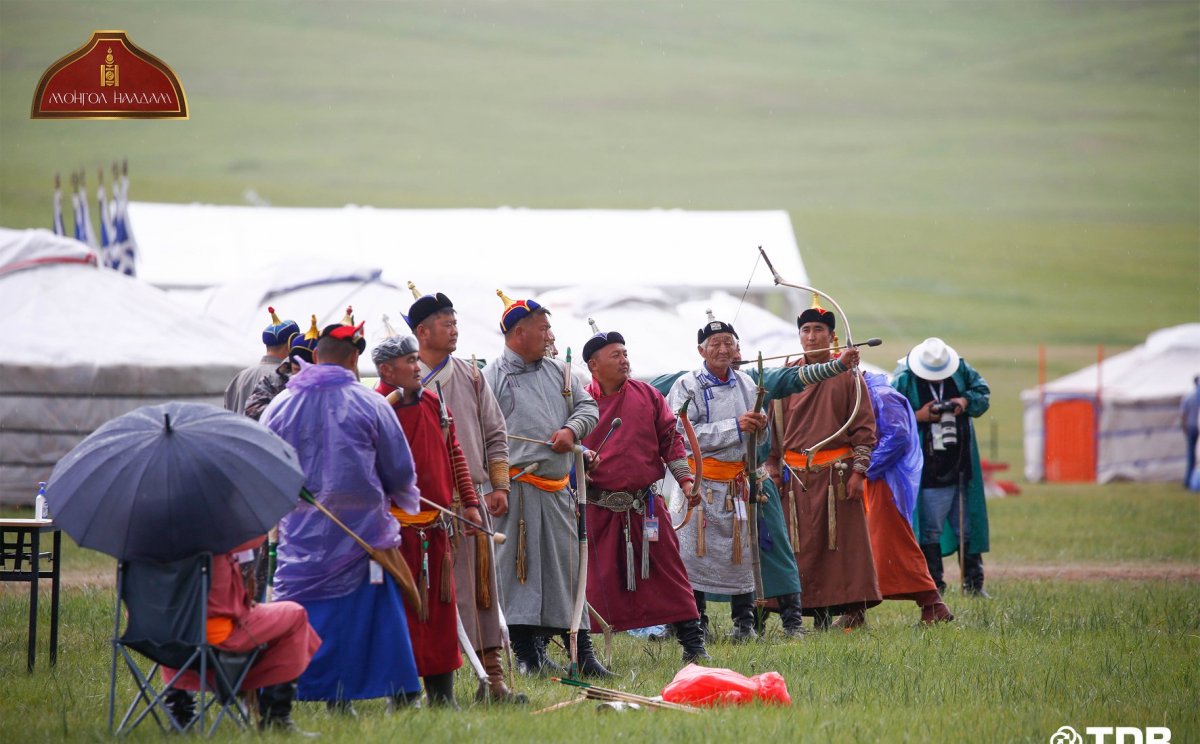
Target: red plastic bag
{"type": "Point", "coordinates": [697, 685]}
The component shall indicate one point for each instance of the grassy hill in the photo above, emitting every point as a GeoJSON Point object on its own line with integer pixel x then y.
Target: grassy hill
{"type": "Point", "coordinates": [998, 174]}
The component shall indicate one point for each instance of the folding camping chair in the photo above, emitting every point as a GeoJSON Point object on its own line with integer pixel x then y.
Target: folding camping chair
{"type": "Point", "coordinates": [166, 622]}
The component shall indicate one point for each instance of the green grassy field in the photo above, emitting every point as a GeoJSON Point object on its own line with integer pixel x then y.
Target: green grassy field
{"type": "Point", "coordinates": [1082, 651]}
{"type": "Point", "coordinates": [1000, 174]}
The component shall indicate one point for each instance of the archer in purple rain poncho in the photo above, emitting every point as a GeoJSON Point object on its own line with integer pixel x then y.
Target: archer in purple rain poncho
{"type": "Point", "coordinates": [895, 467]}
{"type": "Point", "coordinates": [356, 461]}
{"type": "Point", "coordinates": [355, 456]}
{"type": "Point", "coordinates": [897, 455]}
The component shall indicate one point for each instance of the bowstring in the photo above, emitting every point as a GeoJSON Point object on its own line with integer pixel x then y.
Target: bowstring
{"type": "Point", "coordinates": [746, 291]}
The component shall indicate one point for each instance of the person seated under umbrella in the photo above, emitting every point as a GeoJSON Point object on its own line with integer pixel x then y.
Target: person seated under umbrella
{"type": "Point", "coordinates": [237, 624]}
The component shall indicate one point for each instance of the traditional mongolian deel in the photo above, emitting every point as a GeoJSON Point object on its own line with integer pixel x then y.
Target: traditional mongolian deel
{"type": "Point", "coordinates": [425, 542]}
{"type": "Point", "coordinates": [483, 437]}
{"type": "Point", "coordinates": [357, 464]}
{"type": "Point", "coordinates": [718, 562]}
{"type": "Point", "coordinates": [633, 581]}
{"type": "Point", "coordinates": [236, 625]}
{"type": "Point", "coordinates": [833, 549]}
{"type": "Point", "coordinates": [540, 505]}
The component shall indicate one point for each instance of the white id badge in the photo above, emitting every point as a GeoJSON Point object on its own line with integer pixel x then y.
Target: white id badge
{"type": "Point", "coordinates": [244, 556]}
{"type": "Point", "coordinates": [376, 573]}
{"type": "Point", "coordinates": [650, 529]}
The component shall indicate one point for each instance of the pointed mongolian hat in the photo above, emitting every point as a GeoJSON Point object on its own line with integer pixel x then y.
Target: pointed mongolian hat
{"type": "Point", "coordinates": [279, 331]}
{"type": "Point", "coordinates": [816, 314]}
{"type": "Point", "coordinates": [516, 310]}
{"type": "Point", "coordinates": [713, 327]}
{"type": "Point", "coordinates": [425, 306]}
{"type": "Point", "coordinates": [347, 331]}
{"type": "Point", "coordinates": [599, 340]}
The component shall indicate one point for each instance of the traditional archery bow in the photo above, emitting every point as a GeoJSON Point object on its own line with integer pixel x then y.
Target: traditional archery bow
{"type": "Point", "coordinates": [694, 443]}
{"type": "Point", "coordinates": [751, 459]}
{"type": "Point", "coordinates": [810, 452]}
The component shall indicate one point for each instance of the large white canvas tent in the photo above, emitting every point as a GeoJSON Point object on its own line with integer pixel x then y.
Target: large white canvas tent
{"type": "Point", "coordinates": [629, 269]}
{"type": "Point", "coordinates": [1118, 419]}
{"type": "Point", "coordinates": [683, 252]}
{"type": "Point", "coordinates": [89, 345]}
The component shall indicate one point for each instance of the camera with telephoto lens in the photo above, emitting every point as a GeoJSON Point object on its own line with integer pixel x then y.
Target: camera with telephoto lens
{"type": "Point", "coordinates": [940, 407]}
{"type": "Point", "coordinates": [945, 429]}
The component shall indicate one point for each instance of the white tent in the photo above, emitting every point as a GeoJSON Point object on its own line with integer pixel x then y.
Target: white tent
{"type": "Point", "coordinates": [1118, 419]}
{"type": "Point", "coordinates": [683, 252]}
{"type": "Point", "coordinates": [299, 290]}
{"type": "Point", "coordinates": [90, 345]}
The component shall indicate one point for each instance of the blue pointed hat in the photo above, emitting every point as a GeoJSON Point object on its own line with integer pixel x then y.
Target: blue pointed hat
{"type": "Point", "coordinates": [279, 331]}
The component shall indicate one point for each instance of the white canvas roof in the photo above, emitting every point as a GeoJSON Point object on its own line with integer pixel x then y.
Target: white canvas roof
{"type": "Point", "coordinates": [1139, 394]}
{"type": "Point", "coordinates": [204, 245]}
{"type": "Point", "coordinates": [91, 344]}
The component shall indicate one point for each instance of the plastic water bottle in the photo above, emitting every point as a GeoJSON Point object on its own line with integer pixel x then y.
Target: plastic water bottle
{"type": "Point", "coordinates": [39, 504]}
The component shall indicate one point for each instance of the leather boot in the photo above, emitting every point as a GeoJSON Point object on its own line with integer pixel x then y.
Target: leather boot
{"type": "Point", "coordinates": [691, 638]}
{"type": "Point", "coordinates": [742, 611]}
{"type": "Point", "coordinates": [933, 560]}
{"type": "Point", "coordinates": [494, 690]}
{"type": "Point", "coordinates": [182, 706]}
{"type": "Point", "coordinates": [275, 708]}
{"type": "Point", "coordinates": [702, 609]}
{"type": "Point", "coordinates": [790, 615]}
{"type": "Point", "coordinates": [439, 691]}
{"type": "Point", "coordinates": [851, 620]}
{"type": "Point", "coordinates": [525, 648]}
{"type": "Point", "coordinates": [589, 665]}
{"type": "Point", "coordinates": [822, 618]}
{"type": "Point", "coordinates": [937, 612]}
{"type": "Point", "coordinates": [548, 666]}
{"type": "Point", "coordinates": [973, 576]}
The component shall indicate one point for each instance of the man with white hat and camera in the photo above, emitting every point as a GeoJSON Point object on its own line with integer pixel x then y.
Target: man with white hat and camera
{"type": "Point", "coordinates": [946, 393]}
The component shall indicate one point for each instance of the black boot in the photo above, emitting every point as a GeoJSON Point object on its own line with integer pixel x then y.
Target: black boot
{"type": "Point", "coordinates": [933, 561]}
{"type": "Point", "coordinates": [691, 638]}
{"type": "Point", "coordinates": [822, 618]}
{"type": "Point", "coordinates": [702, 610]}
{"type": "Point", "coordinates": [404, 701]}
{"type": "Point", "coordinates": [525, 648]}
{"type": "Point", "coordinates": [742, 611]}
{"type": "Point", "coordinates": [439, 691]}
{"type": "Point", "coordinates": [973, 576]}
{"type": "Point", "coordinates": [182, 706]}
{"type": "Point", "coordinates": [275, 708]}
{"type": "Point", "coordinates": [589, 665]}
{"type": "Point", "coordinates": [548, 666]}
{"type": "Point", "coordinates": [790, 616]}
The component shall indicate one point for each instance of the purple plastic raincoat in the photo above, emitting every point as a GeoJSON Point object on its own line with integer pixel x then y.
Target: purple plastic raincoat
{"type": "Point", "coordinates": [897, 456]}
{"type": "Point", "coordinates": [355, 457]}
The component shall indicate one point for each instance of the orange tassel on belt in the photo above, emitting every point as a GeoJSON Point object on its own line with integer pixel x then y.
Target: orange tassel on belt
{"type": "Point", "coordinates": [483, 572]}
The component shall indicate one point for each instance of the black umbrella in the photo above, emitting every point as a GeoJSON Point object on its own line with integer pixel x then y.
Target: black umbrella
{"type": "Point", "coordinates": [166, 482]}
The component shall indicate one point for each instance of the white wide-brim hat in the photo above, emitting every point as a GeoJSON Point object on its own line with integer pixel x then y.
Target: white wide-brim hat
{"type": "Point", "coordinates": [933, 359]}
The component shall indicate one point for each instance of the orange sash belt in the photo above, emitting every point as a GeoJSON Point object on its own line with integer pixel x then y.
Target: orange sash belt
{"type": "Point", "coordinates": [719, 470]}
{"type": "Point", "coordinates": [549, 485]}
{"type": "Point", "coordinates": [821, 460]}
{"type": "Point", "coordinates": [218, 629]}
{"type": "Point", "coordinates": [420, 519]}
